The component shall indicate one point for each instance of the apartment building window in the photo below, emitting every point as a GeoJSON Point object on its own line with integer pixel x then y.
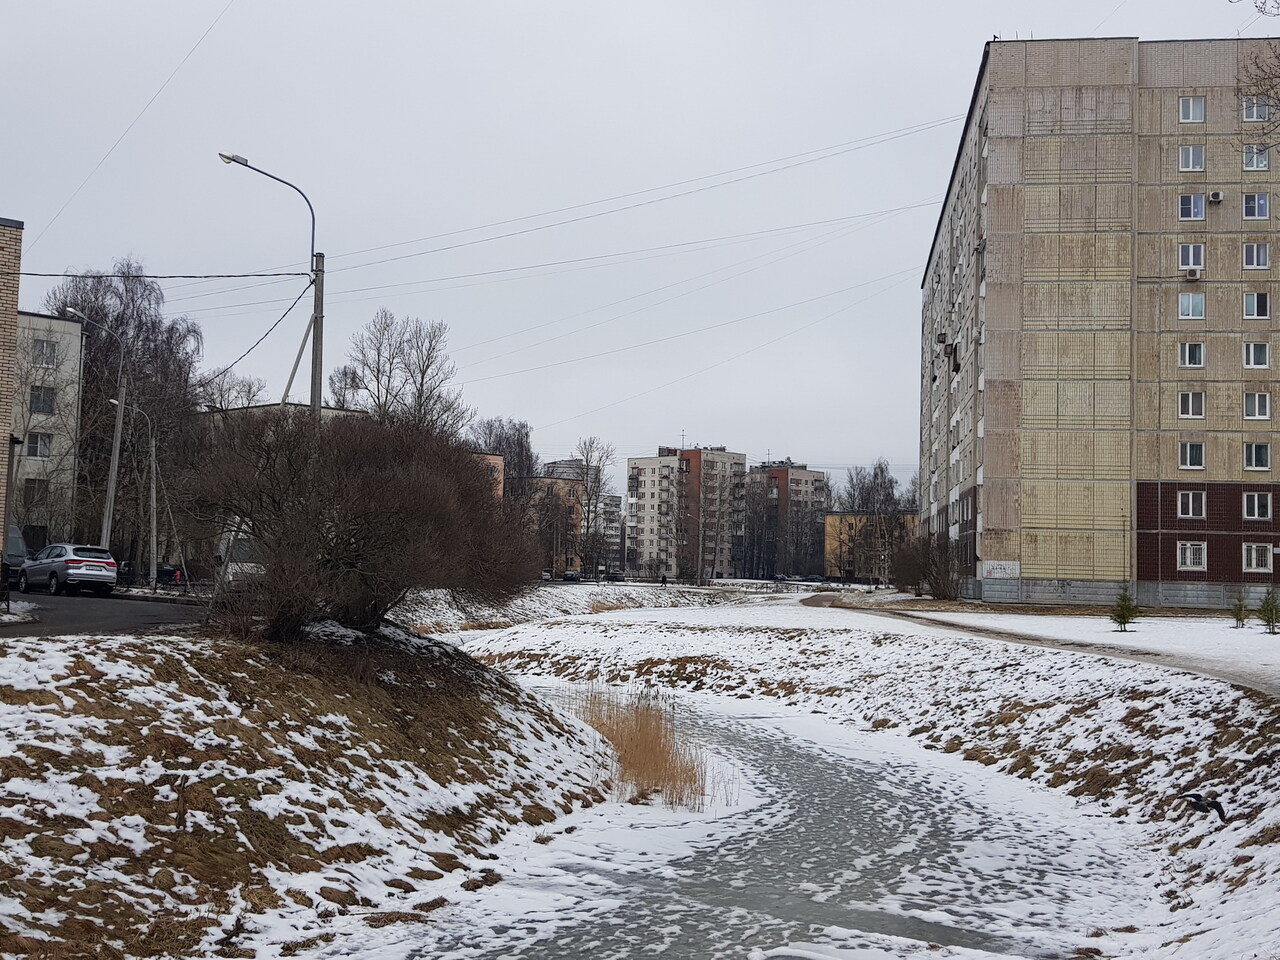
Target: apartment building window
{"type": "Point", "coordinates": [1191, 504]}
{"type": "Point", "coordinates": [1191, 109]}
{"type": "Point", "coordinates": [1255, 156]}
{"type": "Point", "coordinates": [1257, 406]}
{"type": "Point", "coordinates": [1256, 109]}
{"type": "Point", "coordinates": [1257, 557]}
{"type": "Point", "coordinates": [1257, 206]}
{"type": "Point", "coordinates": [1191, 256]}
{"type": "Point", "coordinates": [1191, 158]}
{"type": "Point", "coordinates": [1257, 506]}
{"type": "Point", "coordinates": [1191, 455]}
{"type": "Point", "coordinates": [44, 354]}
{"type": "Point", "coordinates": [1191, 554]}
{"type": "Point", "coordinates": [1191, 206]}
{"type": "Point", "coordinates": [1191, 306]}
{"type": "Point", "coordinates": [1191, 405]}
{"type": "Point", "coordinates": [1257, 256]}
{"type": "Point", "coordinates": [43, 399]}
{"type": "Point", "coordinates": [1257, 355]}
{"type": "Point", "coordinates": [1257, 306]}
{"type": "Point", "coordinates": [1257, 456]}
{"type": "Point", "coordinates": [39, 444]}
{"type": "Point", "coordinates": [1191, 354]}
{"type": "Point", "coordinates": [34, 491]}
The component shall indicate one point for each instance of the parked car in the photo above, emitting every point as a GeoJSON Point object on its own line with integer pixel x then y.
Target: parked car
{"type": "Point", "coordinates": [15, 554]}
{"type": "Point", "coordinates": [613, 576]}
{"type": "Point", "coordinates": [69, 566]}
{"type": "Point", "coordinates": [572, 576]}
{"type": "Point", "coordinates": [546, 575]}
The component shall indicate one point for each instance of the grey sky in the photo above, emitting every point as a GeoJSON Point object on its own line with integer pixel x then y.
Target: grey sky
{"type": "Point", "coordinates": [410, 120]}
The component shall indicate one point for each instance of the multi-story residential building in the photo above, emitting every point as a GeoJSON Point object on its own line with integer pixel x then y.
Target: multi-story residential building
{"type": "Point", "coordinates": [685, 513]}
{"type": "Point", "coordinates": [46, 416]}
{"type": "Point", "coordinates": [611, 528]}
{"type": "Point", "coordinates": [863, 547]}
{"type": "Point", "coordinates": [10, 267]}
{"type": "Point", "coordinates": [1097, 360]}
{"type": "Point", "coordinates": [785, 506]}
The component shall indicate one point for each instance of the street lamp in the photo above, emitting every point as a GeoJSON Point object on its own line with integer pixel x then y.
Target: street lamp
{"type": "Point", "coordinates": [108, 508]}
{"type": "Point", "coordinates": [315, 328]}
{"type": "Point", "coordinates": [151, 435]}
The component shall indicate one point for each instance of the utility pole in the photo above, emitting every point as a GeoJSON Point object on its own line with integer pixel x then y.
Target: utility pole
{"type": "Point", "coordinates": [317, 337]}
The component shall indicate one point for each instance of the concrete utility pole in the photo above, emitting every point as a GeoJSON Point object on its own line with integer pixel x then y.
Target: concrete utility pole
{"type": "Point", "coordinates": [315, 327]}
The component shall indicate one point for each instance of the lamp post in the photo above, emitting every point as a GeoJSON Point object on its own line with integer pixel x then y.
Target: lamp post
{"type": "Point", "coordinates": [108, 508]}
{"type": "Point", "coordinates": [315, 328]}
{"type": "Point", "coordinates": [151, 436]}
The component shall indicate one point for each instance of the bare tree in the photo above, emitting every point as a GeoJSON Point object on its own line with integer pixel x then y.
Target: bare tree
{"type": "Point", "coordinates": [1268, 8]}
{"type": "Point", "coordinates": [510, 440]}
{"type": "Point", "coordinates": [594, 458]}
{"type": "Point", "coordinates": [399, 371]}
{"type": "Point", "coordinates": [228, 390]}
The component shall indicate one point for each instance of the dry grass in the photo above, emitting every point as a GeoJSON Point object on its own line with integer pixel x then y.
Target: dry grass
{"type": "Point", "coordinates": [652, 756]}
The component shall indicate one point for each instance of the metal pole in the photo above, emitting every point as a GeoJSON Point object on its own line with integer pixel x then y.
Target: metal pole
{"type": "Point", "coordinates": [317, 337]}
{"type": "Point", "coordinates": [109, 507]}
{"type": "Point", "coordinates": [8, 514]}
{"type": "Point", "coordinates": [154, 583]}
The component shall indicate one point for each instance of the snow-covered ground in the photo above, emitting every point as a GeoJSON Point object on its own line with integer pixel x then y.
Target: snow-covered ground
{"type": "Point", "coordinates": [1092, 750]}
{"type": "Point", "coordinates": [20, 611]}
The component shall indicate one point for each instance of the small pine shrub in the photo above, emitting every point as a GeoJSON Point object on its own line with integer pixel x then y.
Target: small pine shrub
{"type": "Point", "coordinates": [1124, 612]}
{"type": "Point", "coordinates": [1269, 611]}
{"type": "Point", "coordinates": [1240, 611]}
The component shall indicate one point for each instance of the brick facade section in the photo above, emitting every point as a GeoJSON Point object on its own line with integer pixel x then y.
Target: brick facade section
{"type": "Point", "coordinates": [1223, 529]}
{"type": "Point", "coordinates": [10, 265]}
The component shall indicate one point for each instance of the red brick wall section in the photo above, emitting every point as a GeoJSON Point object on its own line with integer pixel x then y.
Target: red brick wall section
{"type": "Point", "coordinates": [1224, 529]}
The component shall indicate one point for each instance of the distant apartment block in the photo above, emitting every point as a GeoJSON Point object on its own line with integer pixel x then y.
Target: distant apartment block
{"type": "Point", "coordinates": [46, 417]}
{"type": "Point", "coordinates": [1098, 363]}
{"type": "Point", "coordinates": [685, 513]}
{"type": "Point", "coordinates": [786, 505]}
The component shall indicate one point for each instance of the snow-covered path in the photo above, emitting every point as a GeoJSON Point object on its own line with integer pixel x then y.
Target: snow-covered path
{"type": "Point", "coordinates": [844, 845]}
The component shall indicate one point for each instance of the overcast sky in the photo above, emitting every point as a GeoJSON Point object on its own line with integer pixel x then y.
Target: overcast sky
{"type": "Point", "coordinates": [669, 134]}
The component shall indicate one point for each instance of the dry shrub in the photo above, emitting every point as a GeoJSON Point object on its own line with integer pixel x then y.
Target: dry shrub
{"type": "Point", "coordinates": [652, 756]}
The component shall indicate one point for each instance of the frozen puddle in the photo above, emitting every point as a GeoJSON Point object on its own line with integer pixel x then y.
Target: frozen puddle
{"type": "Point", "coordinates": [839, 845]}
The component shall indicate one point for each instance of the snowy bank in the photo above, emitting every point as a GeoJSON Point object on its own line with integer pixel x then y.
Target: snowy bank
{"type": "Point", "coordinates": [1122, 738]}
{"type": "Point", "coordinates": [436, 611]}
{"type": "Point", "coordinates": [168, 795]}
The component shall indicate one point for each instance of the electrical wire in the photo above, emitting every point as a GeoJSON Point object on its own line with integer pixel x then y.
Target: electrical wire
{"type": "Point", "coordinates": [227, 369]}
{"type": "Point", "coordinates": [31, 246]}
{"type": "Point", "coordinates": [149, 276]}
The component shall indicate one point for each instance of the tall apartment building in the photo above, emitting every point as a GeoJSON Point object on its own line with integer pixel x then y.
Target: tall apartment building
{"type": "Point", "coordinates": [1097, 360]}
{"type": "Point", "coordinates": [46, 416]}
{"type": "Point", "coordinates": [685, 513]}
{"type": "Point", "coordinates": [786, 507]}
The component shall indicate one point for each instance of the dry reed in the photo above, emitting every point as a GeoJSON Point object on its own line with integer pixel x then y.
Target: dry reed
{"type": "Point", "coordinates": [651, 755]}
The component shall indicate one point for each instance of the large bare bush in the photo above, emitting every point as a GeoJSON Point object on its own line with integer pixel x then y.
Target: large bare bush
{"type": "Point", "coordinates": [350, 514]}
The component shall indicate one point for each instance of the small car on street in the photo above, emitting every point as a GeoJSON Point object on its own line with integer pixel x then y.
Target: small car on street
{"type": "Point", "coordinates": [69, 566]}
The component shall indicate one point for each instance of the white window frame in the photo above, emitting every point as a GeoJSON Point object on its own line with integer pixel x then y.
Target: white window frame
{"type": "Point", "coordinates": [51, 392]}
{"type": "Point", "coordinates": [1191, 202]}
{"type": "Point", "coordinates": [1257, 255]}
{"type": "Point", "coordinates": [1255, 109]}
{"type": "Point", "coordinates": [1191, 158]}
{"type": "Point", "coordinates": [1193, 555]}
{"type": "Point", "coordinates": [39, 445]}
{"type": "Point", "coordinates": [1191, 405]}
{"type": "Point", "coordinates": [1261, 206]}
{"type": "Point", "coordinates": [1188, 107]}
{"type": "Point", "coordinates": [1251, 349]}
{"type": "Point", "coordinates": [44, 353]}
{"type": "Point", "coordinates": [1253, 506]}
{"type": "Point", "coordinates": [1252, 460]}
{"type": "Point", "coordinates": [1190, 504]}
{"type": "Point", "coordinates": [1257, 558]}
{"type": "Point", "coordinates": [1261, 405]}
{"type": "Point", "coordinates": [1188, 303]}
{"type": "Point", "coordinates": [1256, 157]}
{"type": "Point", "coordinates": [1191, 256]}
{"type": "Point", "coordinates": [1185, 449]}
{"type": "Point", "coordinates": [1257, 306]}
{"type": "Point", "coordinates": [1184, 353]}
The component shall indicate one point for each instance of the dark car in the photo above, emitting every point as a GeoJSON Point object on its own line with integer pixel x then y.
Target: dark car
{"type": "Point", "coordinates": [15, 554]}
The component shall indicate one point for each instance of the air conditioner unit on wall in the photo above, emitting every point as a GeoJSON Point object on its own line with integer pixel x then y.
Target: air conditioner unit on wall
{"type": "Point", "coordinates": [1193, 273]}
{"type": "Point", "coordinates": [1215, 196]}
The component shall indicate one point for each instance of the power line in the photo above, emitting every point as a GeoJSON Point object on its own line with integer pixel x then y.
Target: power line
{"type": "Point", "coordinates": [131, 125]}
{"type": "Point", "coordinates": [149, 276]}
{"type": "Point", "coordinates": [227, 369]}
{"type": "Point", "coordinates": [736, 356]}
{"type": "Point", "coordinates": [678, 336]}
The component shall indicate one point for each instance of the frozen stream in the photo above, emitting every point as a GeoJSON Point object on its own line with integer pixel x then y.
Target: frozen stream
{"type": "Point", "coordinates": [842, 846]}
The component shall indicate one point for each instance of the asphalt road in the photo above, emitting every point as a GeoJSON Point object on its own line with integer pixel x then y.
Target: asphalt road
{"type": "Point", "coordinates": [101, 615]}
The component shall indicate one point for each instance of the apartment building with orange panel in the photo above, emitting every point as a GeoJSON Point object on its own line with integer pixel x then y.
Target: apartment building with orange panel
{"type": "Point", "coordinates": [1098, 348]}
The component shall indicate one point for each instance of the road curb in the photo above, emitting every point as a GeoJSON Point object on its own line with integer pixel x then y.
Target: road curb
{"type": "Point", "coordinates": [186, 601]}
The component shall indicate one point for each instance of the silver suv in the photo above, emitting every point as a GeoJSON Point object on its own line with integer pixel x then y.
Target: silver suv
{"type": "Point", "coordinates": [69, 566]}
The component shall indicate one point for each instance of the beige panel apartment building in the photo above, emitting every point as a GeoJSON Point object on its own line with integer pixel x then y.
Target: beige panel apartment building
{"type": "Point", "coordinates": [1098, 345]}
